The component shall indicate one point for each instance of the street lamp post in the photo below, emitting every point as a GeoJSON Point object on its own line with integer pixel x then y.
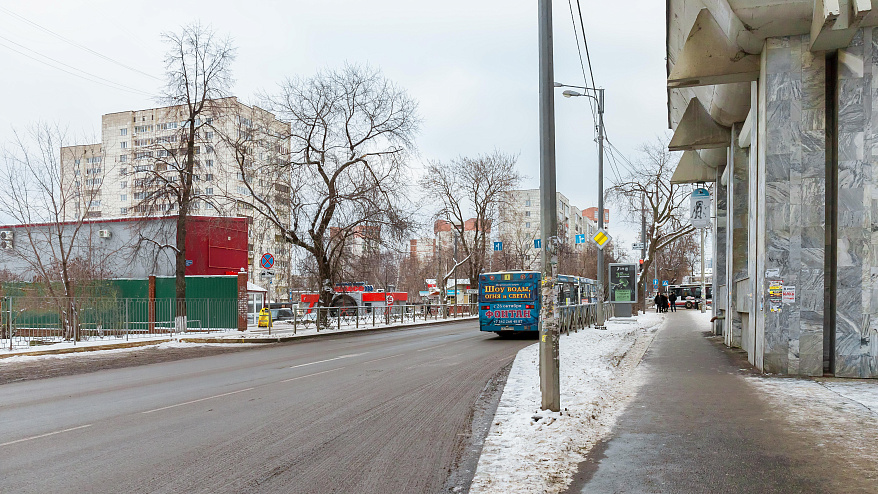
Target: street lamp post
{"type": "Point", "coordinates": [596, 94]}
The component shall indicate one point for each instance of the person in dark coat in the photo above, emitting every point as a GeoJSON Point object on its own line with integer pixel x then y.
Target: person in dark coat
{"type": "Point", "coordinates": [672, 298]}
{"type": "Point", "coordinates": [664, 303]}
{"type": "Point", "coordinates": [658, 302]}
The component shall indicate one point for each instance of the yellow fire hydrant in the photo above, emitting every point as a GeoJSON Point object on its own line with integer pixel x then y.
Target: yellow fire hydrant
{"type": "Point", "coordinates": [264, 317]}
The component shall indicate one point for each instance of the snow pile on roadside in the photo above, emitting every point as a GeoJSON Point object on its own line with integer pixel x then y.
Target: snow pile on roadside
{"type": "Point", "coordinates": [533, 450]}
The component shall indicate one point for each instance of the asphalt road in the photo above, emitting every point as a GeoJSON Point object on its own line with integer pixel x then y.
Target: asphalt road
{"type": "Point", "coordinates": [380, 412]}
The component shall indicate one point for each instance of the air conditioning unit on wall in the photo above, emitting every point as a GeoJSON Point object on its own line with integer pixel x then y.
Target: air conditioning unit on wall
{"type": "Point", "coordinates": [104, 234]}
{"type": "Point", "coordinates": [5, 239]}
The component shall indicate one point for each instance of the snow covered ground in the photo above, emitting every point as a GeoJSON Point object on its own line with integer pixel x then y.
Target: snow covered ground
{"type": "Point", "coordinates": [532, 450]}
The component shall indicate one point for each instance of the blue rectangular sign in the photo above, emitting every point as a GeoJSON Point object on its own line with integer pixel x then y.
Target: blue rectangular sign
{"type": "Point", "coordinates": [537, 243]}
{"type": "Point", "coordinates": [580, 239]}
{"type": "Point", "coordinates": [498, 245]}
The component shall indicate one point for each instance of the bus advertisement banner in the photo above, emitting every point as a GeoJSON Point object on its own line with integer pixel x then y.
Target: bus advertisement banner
{"type": "Point", "coordinates": [623, 283]}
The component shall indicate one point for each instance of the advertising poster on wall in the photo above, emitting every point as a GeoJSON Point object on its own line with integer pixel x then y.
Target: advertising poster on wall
{"type": "Point", "coordinates": [623, 283]}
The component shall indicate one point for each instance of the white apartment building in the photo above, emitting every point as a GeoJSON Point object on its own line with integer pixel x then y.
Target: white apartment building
{"type": "Point", "coordinates": [121, 175]}
{"type": "Point", "coordinates": [520, 217]}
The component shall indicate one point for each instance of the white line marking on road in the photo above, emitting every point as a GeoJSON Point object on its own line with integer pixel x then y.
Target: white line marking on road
{"type": "Point", "coordinates": [383, 358]}
{"type": "Point", "coordinates": [327, 360]}
{"type": "Point", "coordinates": [45, 435]}
{"type": "Point", "coordinates": [432, 347]}
{"type": "Point", "coordinates": [311, 375]}
{"type": "Point", "coordinates": [200, 399]}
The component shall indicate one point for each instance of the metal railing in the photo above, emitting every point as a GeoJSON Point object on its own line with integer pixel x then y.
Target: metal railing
{"type": "Point", "coordinates": [336, 318]}
{"type": "Point", "coordinates": [34, 321]}
{"type": "Point", "coordinates": [576, 317]}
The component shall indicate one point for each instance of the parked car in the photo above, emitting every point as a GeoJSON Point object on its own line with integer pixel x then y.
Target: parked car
{"type": "Point", "coordinates": [281, 314]}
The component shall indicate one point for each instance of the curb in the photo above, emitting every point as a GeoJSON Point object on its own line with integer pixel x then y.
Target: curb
{"type": "Point", "coordinates": [284, 339]}
{"type": "Point", "coordinates": [233, 341]}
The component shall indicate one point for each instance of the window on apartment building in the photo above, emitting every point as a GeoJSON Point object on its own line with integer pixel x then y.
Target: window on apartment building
{"type": "Point", "coordinates": [208, 135]}
{"type": "Point", "coordinates": [208, 177]}
{"type": "Point", "coordinates": [93, 181]}
{"type": "Point", "coordinates": [77, 173]}
{"type": "Point", "coordinates": [123, 132]}
{"type": "Point", "coordinates": [123, 210]}
{"type": "Point", "coordinates": [123, 158]}
{"type": "Point", "coordinates": [241, 189]}
{"type": "Point", "coordinates": [123, 171]}
{"type": "Point", "coordinates": [208, 191]}
{"type": "Point", "coordinates": [75, 162]}
{"type": "Point", "coordinates": [527, 213]}
{"type": "Point", "coordinates": [96, 159]}
{"type": "Point", "coordinates": [94, 204]}
{"type": "Point", "coordinates": [123, 197]}
{"type": "Point", "coordinates": [208, 162]}
{"type": "Point", "coordinates": [527, 224]}
{"type": "Point", "coordinates": [209, 149]}
{"type": "Point", "coordinates": [123, 185]}
{"type": "Point", "coordinates": [123, 145]}
{"type": "Point", "coordinates": [527, 202]}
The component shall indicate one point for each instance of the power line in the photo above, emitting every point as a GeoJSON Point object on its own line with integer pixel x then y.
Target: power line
{"type": "Point", "coordinates": [78, 45]}
{"type": "Point", "coordinates": [88, 76]}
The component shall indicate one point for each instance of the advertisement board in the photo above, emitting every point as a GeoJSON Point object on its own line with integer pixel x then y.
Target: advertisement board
{"type": "Point", "coordinates": [623, 283]}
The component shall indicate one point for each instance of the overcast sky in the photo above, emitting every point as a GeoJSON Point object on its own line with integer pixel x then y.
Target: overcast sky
{"type": "Point", "coordinates": [472, 66]}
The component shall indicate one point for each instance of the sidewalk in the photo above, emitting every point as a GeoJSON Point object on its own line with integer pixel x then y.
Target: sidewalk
{"type": "Point", "coordinates": [704, 421]}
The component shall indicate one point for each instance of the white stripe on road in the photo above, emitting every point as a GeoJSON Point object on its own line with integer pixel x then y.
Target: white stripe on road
{"type": "Point", "coordinates": [311, 375]}
{"type": "Point", "coordinates": [45, 435]}
{"type": "Point", "coordinates": [382, 358]}
{"type": "Point", "coordinates": [327, 360]}
{"type": "Point", "coordinates": [196, 401]}
{"type": "Point", "coordinates": [432, 347]}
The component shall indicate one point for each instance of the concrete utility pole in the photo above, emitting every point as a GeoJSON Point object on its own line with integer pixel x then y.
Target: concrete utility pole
{"type": "Point", "coordinates": [599, 323]}
{"type": "Point", "coordinates": [549, 334]}
{"type": "Point", "coordinates": [643, 243]}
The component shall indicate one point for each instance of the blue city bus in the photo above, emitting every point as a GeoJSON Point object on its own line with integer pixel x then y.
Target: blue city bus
{"type": "Point", "coordinates": [510, 301]}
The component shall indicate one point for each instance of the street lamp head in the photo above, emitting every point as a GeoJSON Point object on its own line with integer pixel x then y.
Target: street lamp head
{"type": "Point", "coordinates": [558, 84]}
{"type": "Point", "coordinates": [568, 93]}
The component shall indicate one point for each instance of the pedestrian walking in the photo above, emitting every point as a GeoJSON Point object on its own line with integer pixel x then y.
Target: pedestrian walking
{"type": "Point", "coordinates": [672, 299]}
{"type": "Point", "coordinates": [664, 303]}
{"type": "Point", "coordinates": [658, 302]}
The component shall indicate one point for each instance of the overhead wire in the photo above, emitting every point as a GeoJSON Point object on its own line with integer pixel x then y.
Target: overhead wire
{"type": "Point", "coordinates": [87, 75]}
{"type": "Point", "coordinates": [78, 45]}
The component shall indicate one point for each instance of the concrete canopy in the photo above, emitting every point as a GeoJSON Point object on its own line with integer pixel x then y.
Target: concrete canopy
{"type": "Point", "coordinates": [698, 130]}
{"type": "Point", "coordinates": [693, 169]}
{"type": "Point", "coordinates": [710, 57]}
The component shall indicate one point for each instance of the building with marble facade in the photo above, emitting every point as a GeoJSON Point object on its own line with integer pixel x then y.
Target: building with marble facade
{"type": "Point", "coordinates": [772, 102]}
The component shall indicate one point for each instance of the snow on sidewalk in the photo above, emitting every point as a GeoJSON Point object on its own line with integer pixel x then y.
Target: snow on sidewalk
{"type": "Point", "coordinates": [532, 450]}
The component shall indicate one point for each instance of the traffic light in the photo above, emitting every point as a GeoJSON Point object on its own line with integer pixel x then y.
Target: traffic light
{"type": "Point", "coordinates": [641, 265]}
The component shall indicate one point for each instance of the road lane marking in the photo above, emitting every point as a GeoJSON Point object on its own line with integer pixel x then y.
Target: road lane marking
{"type": "Point", "coordinates": [382, 358]}
{"type": "Point", "coordinates": [432, 347]}
{"type": "Point", "coordinates": [44, 435]}
{"type": "Point", "coordinates": [196, 401]}
{"type": "Point", "coordinates": [327, 360]}
{"type": "Point", "coordinates": [311, 375]}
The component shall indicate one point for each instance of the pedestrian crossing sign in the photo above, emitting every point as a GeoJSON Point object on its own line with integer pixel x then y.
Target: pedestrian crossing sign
{"type": "Point", "coordinates": [601, 238]}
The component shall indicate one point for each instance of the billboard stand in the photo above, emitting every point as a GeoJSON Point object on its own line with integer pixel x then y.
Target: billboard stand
{"type": "Point", "coordinates": [623, 288]}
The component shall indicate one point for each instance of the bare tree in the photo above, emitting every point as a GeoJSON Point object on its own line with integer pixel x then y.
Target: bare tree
{"type": "Point", "coordinates": [517, 237]}
{"type": "Point", "coordinates": [472, 188]}
{"type": "Point", "coordinates": [650, 182]}
{"type": "Point", "coordinates": [52, 205]}
{"type": "Point", "coordinates": [198, 77]}
{"type": "Point", "coordinates": [351, 135]}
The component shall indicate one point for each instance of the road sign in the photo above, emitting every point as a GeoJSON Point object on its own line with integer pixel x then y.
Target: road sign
{"type": "Point", "coordinates": [655, 281]}
{"type": "Point", "coordinates": [580, 238]}
{"type": "Point", "coordinates": [637, 246]}
{"type": "Point", "coordinates": [498, 246]}
{"type": "Point", "coordinates": [538, 243]}
{"type": "Point", "coordinates": [664, 282]}
{"type": "Point", "coordinates": [265, 274]}
{"type": "Point", "coordinates": [267, 261]}
{"type": "Point", "coordinates": [601, 238]}
{"type": "Point", "coordinates": [189, 262]}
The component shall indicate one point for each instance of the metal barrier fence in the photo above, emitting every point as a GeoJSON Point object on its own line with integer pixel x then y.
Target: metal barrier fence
{"type": "Point", "coordinates": [576, 317]}
{"type": "Point", "coordinates": [32, 321]}
{"type": "Point", "coordinates": [329, 318]}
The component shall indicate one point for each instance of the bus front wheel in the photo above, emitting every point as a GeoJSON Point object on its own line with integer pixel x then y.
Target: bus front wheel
{"type": "Point", "coordinates": [688, 305]}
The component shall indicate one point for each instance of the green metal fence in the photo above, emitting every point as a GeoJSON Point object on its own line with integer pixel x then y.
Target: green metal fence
{"type": "Point", "coordinates": [32, 321]}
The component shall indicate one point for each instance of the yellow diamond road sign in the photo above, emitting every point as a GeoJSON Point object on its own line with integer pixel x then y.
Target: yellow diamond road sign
{"type": "Point", "coordinates": [601, 238]}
